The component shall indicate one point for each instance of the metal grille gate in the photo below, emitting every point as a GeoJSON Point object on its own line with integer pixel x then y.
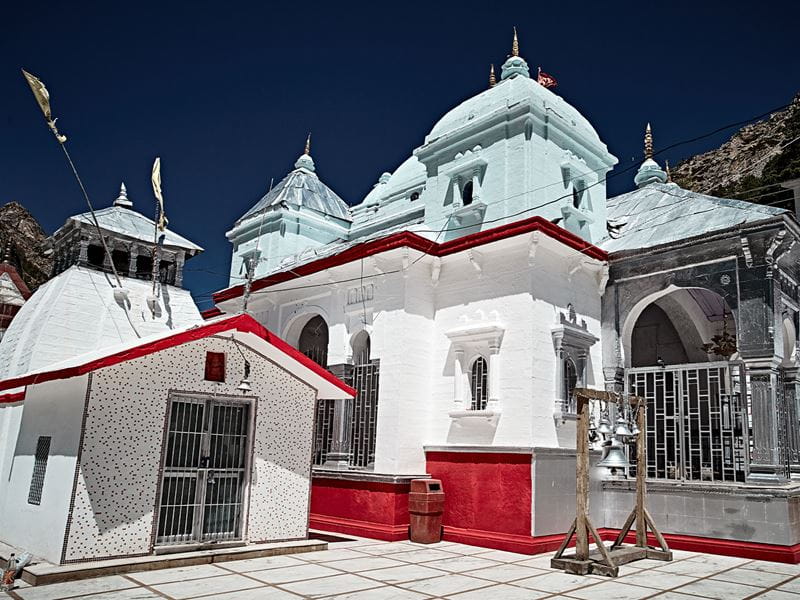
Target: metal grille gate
{"type": "Point", "coordinates": [696, 421]}
{"type": "Point", "coordinates": [365, 414]}
{"type": "Point", "coordinates": [204, 471]}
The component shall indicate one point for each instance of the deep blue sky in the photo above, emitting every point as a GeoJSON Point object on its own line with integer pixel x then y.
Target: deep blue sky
{"type": "Point", "coordinates": [225, 92]}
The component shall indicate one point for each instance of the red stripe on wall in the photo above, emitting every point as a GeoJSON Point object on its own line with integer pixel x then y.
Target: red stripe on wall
{"type": "Point", "coordinates": [407, 239]}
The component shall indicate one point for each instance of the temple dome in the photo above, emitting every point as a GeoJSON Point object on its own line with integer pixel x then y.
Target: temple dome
{"type": "Point", "coordinates": [507, 93]}
{"type": "Point", "coordinates": [77, 312]}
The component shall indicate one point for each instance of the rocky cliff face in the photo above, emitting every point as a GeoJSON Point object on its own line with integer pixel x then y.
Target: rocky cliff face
{"type": "Point", "coordinates": [24, 239]}
{"type": "Point", "coordinates": [760, 155]}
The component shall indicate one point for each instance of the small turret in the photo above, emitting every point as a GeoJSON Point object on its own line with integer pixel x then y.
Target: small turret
{"type": "Point", "coordinates": [122, 199]}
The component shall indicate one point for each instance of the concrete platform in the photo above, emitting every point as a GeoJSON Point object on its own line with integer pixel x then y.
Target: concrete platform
{"type": "Point", "coordinates": [46, 573]}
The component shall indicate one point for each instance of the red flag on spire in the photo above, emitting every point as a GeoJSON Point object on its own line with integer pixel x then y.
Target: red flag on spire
{"type": "Point", "coordinates": [546, 80]}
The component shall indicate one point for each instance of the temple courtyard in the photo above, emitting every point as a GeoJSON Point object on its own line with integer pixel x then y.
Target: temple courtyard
{"type": "Point", "coordinates": [372, 570]}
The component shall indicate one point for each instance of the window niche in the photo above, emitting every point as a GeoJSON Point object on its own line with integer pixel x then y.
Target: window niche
{"type": "Point", "coordinates": [476, 368]}
{"type": "Point", "coordinates": [571, 342]}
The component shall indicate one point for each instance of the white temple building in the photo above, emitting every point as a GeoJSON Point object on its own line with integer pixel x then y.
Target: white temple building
{"type": "Point", "coordinates": [487, 276]}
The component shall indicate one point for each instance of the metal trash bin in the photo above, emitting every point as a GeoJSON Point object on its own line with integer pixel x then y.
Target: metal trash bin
{"type": "Point", "coordinates": [425, 508]}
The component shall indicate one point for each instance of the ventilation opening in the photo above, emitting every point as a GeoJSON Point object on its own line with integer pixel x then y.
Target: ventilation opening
{"type": "Point", "coordinates": [39, 469]}
{"type": "Point", "coordinates": [144, 266]}
{"type": "Point", "coordinates": [95, 254]}
{"type": "Point", "coordinates": [121, 260]}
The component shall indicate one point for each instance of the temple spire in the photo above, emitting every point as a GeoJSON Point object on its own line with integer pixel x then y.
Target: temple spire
{"type": "Point", "coordinates": [648, 142]}
{"type": "Point", "coordinates": [515, 44]}
{"type": "Point", "coordinates": [122, 199]}
{"type": "Point", "coordinates": [492, 78]}
{"type": "Point", "coordinates": [308, 144]}
{"type": "Point", "coordinates": [305, 161]}
{"type": "Point", "coordinates": [649, 172]}
{"type": "Point", "coordinates": [669, 174]}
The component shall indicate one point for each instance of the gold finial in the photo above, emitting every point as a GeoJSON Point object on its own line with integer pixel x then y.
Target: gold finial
{"type": "Point", "coordinates": [648, 142]}
{"type": "Point", "coordinates": [515, 44]}
{"type": "Point", "coordinates": [492, 78]}
{"type": "Point", "coordinates": [669, 175]}
{"type": "Point", "coordinates": [308, 144]}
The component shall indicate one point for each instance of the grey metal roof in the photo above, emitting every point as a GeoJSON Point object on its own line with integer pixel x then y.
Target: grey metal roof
{"type": "Point", "coordinates": [301, 187]}
{"type": "Point", "coordinates": [133, 224]}
{"type": "Point", "coordinates": [661, 213]}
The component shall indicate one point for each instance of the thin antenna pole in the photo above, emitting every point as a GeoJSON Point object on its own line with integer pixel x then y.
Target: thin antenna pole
{"type": "Point", "coordinates": [251, 261]}
{"type": "Point", "coordinates": [91, 211]}
{"type": "Point", "coordinates": [156, 255]}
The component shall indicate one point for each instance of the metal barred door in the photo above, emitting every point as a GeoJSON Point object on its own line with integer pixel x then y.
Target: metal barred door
{"type": "Point", "coordinates": [204, 471]}
{"type": "Point", "coordinates": [696, 421]}
{"type": "Point", "coordinates": [364, 424]}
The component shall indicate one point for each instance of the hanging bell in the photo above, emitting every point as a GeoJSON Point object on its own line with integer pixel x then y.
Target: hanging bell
{"type": "Point", "coordinates": [604, 428]}
{"type": "Point", "coordinates": [614, 455]}
{"type": "Point", "coordinates": [635, 429]}
{"type": "Point", "coordinates": [621, 428]}
{"type": "Point", "coordinates": [245, 386]}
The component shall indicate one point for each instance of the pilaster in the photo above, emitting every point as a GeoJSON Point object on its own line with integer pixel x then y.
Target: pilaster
{"type": "Point", "coordinates": [765, 462]}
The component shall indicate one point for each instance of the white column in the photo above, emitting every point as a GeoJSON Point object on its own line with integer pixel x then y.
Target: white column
{"type": "Point", "coordinates": [456, 192]}
{"type": "Point", "coordinates": [494, 376]}
{"type": "Point", "coordinates": [458, 378]}
{"type": "Point", "coordinates": [476, 184]}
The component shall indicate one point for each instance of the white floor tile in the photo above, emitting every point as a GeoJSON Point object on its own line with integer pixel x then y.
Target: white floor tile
{"type": "Point", "coordinates": [75, 588]}
{"type": "Point", "coordinates": [206, 587]}
{"type": "Point", "coordinates": [258, 564]}
{"type": "Point", "coordinates": [178, 574]}
{"type": "Point", "coordinates": [446, 585]}
{"type": "Point", "coordinates": [505, 572]}
{"type": "Point", "coordinates": [612, 590]}
{"type": "Point", "coordinates": [499, 592]}
{"type": "Point", "coordinates": [461, 564]}
{"type": "Point", "coordinates": [298, 573]}
{"type": "Point", "coordinates": [720, 590]}
{"type": "Point", "coordinates": [402, 574]}
{"type": "Point", "coordinates": [328, 586]}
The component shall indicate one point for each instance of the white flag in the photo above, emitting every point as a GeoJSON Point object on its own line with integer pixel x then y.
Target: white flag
{"type": "Point", "coordinates": [156, 179]}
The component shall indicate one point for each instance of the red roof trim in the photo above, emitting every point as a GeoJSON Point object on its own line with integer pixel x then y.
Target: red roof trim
{"type": "Point", "coordinates": [210, 313]}
{"type": "Point", "coordinates": [241, 322]}
{"type": "Point", "coordinates": [16, 279]}
{"type": "Point", "coordinates": [12, 398]}
{"type": "Point", "coordinates": [408, 239]}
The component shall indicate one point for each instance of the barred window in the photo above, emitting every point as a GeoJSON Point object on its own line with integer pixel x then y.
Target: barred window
{"type": "Point", "coordinates": [39, 469]}
{"type": "Point", "coordinates": [479, 383]}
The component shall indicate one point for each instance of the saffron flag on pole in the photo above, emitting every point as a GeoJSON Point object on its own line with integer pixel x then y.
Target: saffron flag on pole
{"type": "Point", "coordinates": [546, 80]}
{"type": "Point", "coordinates": [156, 179]}
{"type": "Point", "coordinates": [43, 100]}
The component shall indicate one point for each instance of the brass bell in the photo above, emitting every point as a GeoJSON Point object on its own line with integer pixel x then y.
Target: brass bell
{"type": "Point", "coordinates": [604, 428]}
{"type": "Point", "coordinates": [614, 455]}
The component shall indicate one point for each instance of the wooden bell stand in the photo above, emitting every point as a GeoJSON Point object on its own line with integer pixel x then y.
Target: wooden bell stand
{"type": "Point", "coordinates": [606, 561]}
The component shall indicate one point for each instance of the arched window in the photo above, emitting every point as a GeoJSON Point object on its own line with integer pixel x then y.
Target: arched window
{"type": "Point", "coordinates": [361, 348]}
{"type": "Point", "coordinates": [466, 195]}
{"type": "Point", "coordinates": [314, 341]}
{"type": "Point", "coordinates": [570, 381]}
{"type": "Point", "coordinates": [479, 383]}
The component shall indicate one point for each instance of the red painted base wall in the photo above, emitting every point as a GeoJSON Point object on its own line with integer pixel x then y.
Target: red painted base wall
{"type": "Point", "coordinates": [484, 491]}
{"type": "Point", "coordinates": [364, 508]}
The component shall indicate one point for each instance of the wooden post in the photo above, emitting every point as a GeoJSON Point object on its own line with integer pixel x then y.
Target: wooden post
{"type": "Point", "coordinates": [582, 479]}
{"type": "Point", "coordinates": [641, 473]}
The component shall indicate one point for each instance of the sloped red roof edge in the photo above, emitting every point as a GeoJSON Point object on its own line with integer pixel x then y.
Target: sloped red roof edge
{"type": "Point", "coordinates": [241, 322]}
{"type": "Point", "coordinates": [12, 398]}
{"type": "Point", "coordinates": [210, 313]}
{"type": "Point", "coordinates": [16, 279]}
{"type": "Point", "coordinates": [417, 242]}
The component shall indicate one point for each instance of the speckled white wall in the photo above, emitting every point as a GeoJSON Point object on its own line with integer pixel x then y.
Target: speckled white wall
{"type": "Point", "coordinates": [116, 492]}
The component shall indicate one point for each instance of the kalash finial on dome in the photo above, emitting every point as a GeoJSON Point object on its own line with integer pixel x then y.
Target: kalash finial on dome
{"type": "Point", "coordinates": [515, 64]}
{"type": "Point", "coordinates": [122, 199]}
{"type": "Point", "coordinates": [305, 161]}
{"type": "Point", "coordinates": [650, 171]}
{"type": "Point", "coordinates": [492, 78]}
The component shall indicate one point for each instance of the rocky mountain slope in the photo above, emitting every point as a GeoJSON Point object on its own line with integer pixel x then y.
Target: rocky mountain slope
{"type": "Point", "coordinates": [752, 163]}
{"type": "Point", "coordinates": [23, 238]}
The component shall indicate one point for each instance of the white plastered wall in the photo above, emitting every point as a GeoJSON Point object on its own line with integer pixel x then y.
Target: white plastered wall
{"type": "Point", "coordinates": [117, 483]}
{"type": "Point", "coordinates": [52, 409]}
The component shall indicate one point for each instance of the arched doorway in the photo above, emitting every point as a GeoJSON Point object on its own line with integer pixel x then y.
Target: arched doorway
{"type": "Point", "coordinates": [681, 353]}
{"type": "Point", "coordinates": [313, 340]}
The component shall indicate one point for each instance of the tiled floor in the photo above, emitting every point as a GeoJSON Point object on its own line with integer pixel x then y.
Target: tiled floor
{"type": "Point", "coordinates": [373, 570]}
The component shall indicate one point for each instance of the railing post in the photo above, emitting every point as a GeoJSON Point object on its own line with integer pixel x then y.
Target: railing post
{"type": "Point", "coordinates": [765, 462]}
